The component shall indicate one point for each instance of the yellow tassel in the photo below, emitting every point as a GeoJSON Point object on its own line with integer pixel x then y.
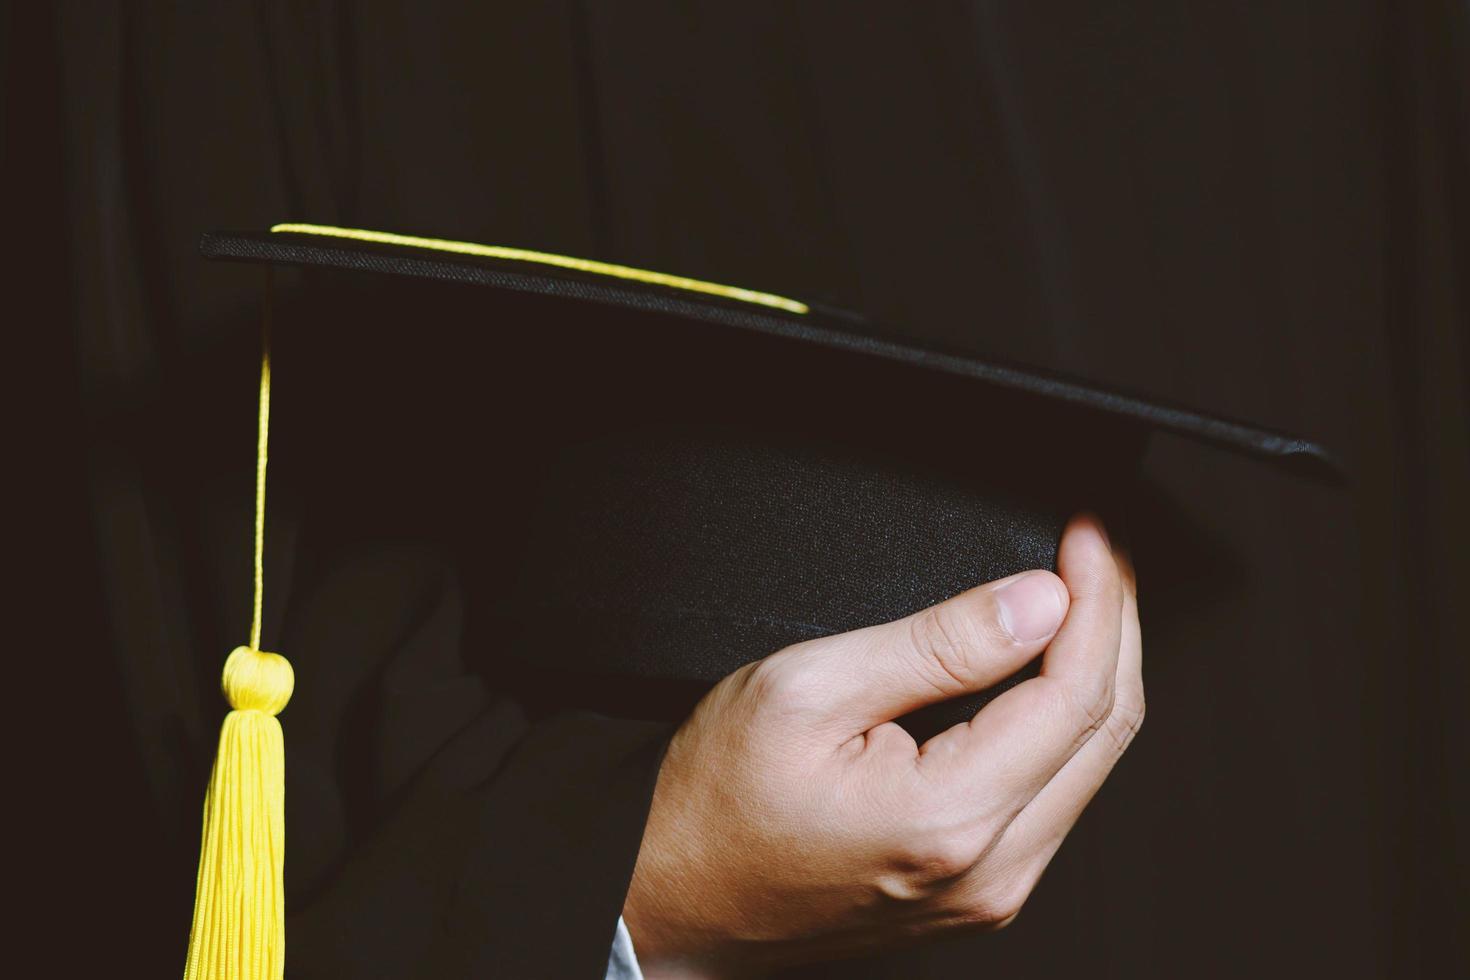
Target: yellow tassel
{"type": "Point", "coordinates": [239, 930]}
{"type": "Point", "coordinates": [239, 905]}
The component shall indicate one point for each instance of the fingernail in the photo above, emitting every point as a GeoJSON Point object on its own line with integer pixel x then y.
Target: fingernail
{"type": "Point", "coordinates": [1030, 608]}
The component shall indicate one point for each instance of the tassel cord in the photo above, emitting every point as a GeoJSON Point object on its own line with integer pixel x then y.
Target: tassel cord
{"type": "Point", "coordinates": [262, 442]}
{"type": "Point", "coordinates": [239, 906]}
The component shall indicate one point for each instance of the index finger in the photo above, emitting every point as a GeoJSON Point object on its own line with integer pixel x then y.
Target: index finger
{"type": "Point", "coordinates": [1007, 753]}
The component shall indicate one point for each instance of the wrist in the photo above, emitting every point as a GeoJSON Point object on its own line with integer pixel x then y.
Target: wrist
{"type": "Point", "coordinates": [667, 941]}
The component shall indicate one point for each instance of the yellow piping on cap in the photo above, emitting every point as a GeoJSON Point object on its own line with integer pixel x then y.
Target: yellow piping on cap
{"type": "Point", "coordinates": [549, 258]}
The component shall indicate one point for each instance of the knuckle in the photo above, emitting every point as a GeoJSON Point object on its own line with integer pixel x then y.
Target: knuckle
{"type": "Point", "coordinates": [1006, 922]}
{"type": "Point", "coordinates": [937, 859]}
{"type": "Point", "coordinates": [997, 905]}
{"type": "Point", "coordinates": [1082, 708]}
{"type": "Point", "coordinates": [1090, 705]}
{"type": "Point", "coordinates": [946, 638]}
{"type": "Point", "coordinates": [1125, 723]}
{"type": "Point", "coordinates": [781, 686]}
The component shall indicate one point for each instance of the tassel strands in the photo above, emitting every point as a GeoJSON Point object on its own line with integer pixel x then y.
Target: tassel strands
{"type": "Point", "coordinates": [239, 901]}
{"type": "Point", "coordinates": [239, 904]}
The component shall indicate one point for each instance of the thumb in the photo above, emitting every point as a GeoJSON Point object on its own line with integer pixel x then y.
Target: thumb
{"type": "Point", "coordinates": [962, 645]}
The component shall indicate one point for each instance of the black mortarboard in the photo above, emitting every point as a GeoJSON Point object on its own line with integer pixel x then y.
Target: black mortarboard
{"type": "Point", "coordinates": [704, 473]}
{"type": "Point", "coordinates": [651, 480]}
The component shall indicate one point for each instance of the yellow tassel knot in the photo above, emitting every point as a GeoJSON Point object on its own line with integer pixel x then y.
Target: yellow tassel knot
{"type": "Point", "coordinates": [258, 681]}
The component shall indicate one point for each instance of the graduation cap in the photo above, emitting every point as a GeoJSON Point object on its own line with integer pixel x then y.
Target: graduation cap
{"type": "Point", "coordinates": [680, 478]}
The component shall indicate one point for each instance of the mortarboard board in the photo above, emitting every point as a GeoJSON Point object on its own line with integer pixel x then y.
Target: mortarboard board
{"type": "Point", "coordinates": [683, 476]}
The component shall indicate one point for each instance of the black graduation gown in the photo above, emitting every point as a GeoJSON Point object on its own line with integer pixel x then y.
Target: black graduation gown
{"type": "Point", "coordinates": [434, 829]}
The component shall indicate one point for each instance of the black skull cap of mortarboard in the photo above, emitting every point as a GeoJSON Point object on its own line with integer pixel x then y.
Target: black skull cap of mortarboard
{"type": "Point", "coordinates": [691, 476]}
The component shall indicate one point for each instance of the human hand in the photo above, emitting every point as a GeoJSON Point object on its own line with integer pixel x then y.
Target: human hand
{"type": "Point", "coordinates": [794, 820]}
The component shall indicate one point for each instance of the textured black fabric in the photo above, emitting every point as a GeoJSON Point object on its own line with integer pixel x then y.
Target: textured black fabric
{"type": "Point", "coordinates": [680, 556]}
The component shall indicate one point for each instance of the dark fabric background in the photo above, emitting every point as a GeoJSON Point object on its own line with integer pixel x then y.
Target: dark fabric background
{"type": "Point", "coordinates": [1257, 209]}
